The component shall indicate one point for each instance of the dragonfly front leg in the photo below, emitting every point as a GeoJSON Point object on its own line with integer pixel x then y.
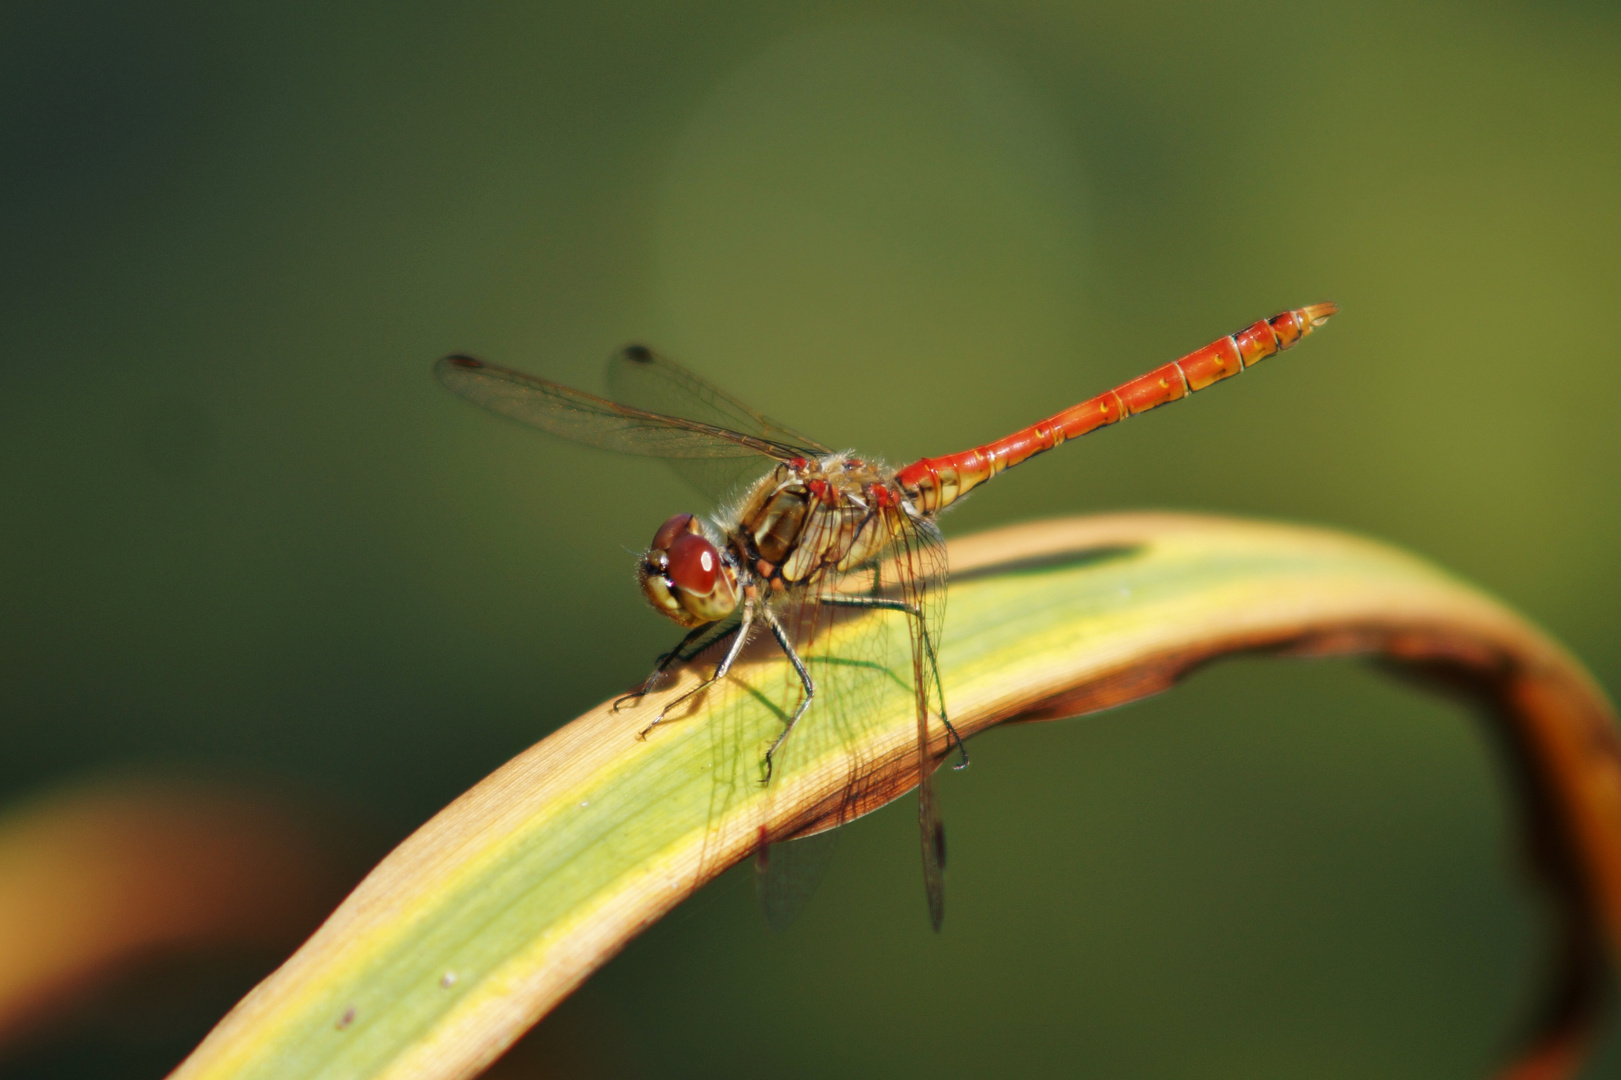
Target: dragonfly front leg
{"type": "Point", "coordinates": [683, 651]}
{"type": "Point", "coordinates": [660, 666]}
{"type": "Point", "coordinates": [884, 604]}
{"type": "Point", "coordinates": [742, 632]}
{"type": "Point", "coordinates": [804, 678]}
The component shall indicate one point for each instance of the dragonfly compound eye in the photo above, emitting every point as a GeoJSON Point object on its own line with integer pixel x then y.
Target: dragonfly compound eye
{"type": "Point", "coordinates": [700, 579]}
{"type": "Point", "coordinates": [676, 526]}
{"type": "Point", "coordinates": [694, 564]}
{"type": "Point", "coordinates": [685, 577]}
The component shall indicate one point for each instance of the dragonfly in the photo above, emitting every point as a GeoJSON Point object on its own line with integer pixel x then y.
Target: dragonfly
{"type": "Point", "coordinates": [801, 520]}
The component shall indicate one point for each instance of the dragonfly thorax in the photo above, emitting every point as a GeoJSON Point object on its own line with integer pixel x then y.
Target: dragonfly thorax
{"type": "Point", "coordinates": [808, 517]}
{"type": "Point", "coordinates": [686, 577]}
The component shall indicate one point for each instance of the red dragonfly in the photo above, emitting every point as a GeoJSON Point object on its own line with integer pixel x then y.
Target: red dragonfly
{"type": "Point", "coordinates": [810, 518]}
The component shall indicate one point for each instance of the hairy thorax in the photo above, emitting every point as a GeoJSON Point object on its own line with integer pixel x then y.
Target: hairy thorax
{"type": "Point", "coordinates": [809, 517]}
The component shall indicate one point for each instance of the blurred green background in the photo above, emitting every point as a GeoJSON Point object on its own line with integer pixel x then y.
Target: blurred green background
{"type": "Point", "coordinates": [242, 532]}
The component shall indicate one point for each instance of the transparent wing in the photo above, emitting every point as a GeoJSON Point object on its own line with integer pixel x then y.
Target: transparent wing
{"type": "Point", "coordinates": [594, 421]}
{"type": "Point", "coordinates": [644, 379]}
{"type": "Point", "coordinates": [787, 873]}
{"type": "Point", "coordinates": [870, 639]}
{"type": "Point", "coordinates": [920, 568]}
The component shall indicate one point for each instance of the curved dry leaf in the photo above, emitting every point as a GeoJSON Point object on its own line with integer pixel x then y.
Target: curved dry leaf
{"type": "Point", "coordinates": [111, 871]}
{"type": "Point", "coordinates": [496, 909]}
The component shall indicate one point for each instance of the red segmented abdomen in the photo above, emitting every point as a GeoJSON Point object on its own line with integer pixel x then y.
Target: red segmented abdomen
{"type": "Point", "coordinates": [934, 483]}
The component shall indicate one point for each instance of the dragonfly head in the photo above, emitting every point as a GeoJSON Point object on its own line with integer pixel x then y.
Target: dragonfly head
{"type": "Point", "coordinates": [685, 577]}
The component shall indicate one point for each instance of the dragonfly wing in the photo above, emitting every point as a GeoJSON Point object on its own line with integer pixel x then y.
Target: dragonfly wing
{"type": "Point", "coordinates": [787, 873]}
{"type": "Point", "coordinates": [920, 567]}
{"type": "Point", "coordinates": [594, 421]}
{"type": "Point", "coordinates": [645, 379]}
{"type": "Point", "coordinates": [650, 380]}
{"type": "Point", "coordinates": [858, 660]}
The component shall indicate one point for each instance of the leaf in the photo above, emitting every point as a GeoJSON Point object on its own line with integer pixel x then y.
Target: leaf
{"type": "Point", "coordinates": [496, 909]}
{"type": "Point", "coordinates": [101, 874]}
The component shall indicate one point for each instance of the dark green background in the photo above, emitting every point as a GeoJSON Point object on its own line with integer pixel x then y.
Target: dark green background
{"type": "Point", "coordinates": [242, 531]}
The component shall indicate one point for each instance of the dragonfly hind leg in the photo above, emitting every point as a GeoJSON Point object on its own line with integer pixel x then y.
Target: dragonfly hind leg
{"type": "Point", "coordinates": [741, 630]}
{"type": "Point", "coordinates": [885, 604]}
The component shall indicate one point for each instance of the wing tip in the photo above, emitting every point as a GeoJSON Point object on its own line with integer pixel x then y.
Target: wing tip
{"type": "Point", "coordinates": [461, 360]}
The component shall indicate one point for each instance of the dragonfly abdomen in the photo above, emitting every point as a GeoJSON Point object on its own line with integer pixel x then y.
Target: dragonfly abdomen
{"type": "Point", "coordinates": [934, 483]}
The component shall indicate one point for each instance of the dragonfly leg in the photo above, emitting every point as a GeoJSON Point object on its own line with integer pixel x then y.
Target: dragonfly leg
{"type": "Point", "coordinates": [685, 650]}
{"type": "Point", "coordinates": [804, 678]}
{"type": "Point", "coordinates": [725, 665]}
{"type": "Point", "coordinates": [885, 604]}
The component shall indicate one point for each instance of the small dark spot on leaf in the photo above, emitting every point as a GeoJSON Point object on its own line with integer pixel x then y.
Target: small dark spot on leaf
{"type": "Point", "coordinates": [347, 1018]}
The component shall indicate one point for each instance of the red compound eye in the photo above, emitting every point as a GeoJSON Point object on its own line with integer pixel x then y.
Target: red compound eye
{"type": "Point", "coordinates": [676, 526]}
{"type": "Point", "coordinates": [694, 564]}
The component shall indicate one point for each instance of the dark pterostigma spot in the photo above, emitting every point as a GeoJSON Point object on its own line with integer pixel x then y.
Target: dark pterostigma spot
{"type": "Point", "coordinates": [639, 353]}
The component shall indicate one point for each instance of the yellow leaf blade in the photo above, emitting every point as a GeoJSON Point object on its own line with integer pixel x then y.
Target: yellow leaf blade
{"type": "Point", "coordinates": [497, 908]}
